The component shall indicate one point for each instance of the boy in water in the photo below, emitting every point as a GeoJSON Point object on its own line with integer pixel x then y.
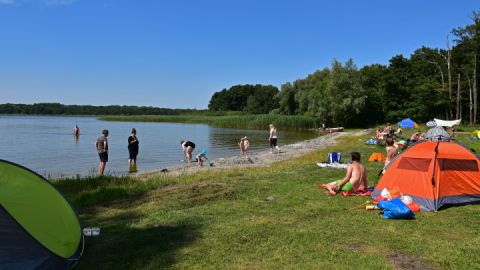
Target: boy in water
{"type": "Point", "coordinates": [355, 178]}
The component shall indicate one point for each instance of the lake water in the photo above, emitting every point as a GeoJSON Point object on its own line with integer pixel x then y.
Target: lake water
{"type": "Point", "coordinates": [47, 145]}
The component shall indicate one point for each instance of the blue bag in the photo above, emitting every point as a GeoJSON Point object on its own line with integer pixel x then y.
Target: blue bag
{"type": "Point", "coordinates": [334, 157]}
{"type": "Point", "coordinates": [395, 209]}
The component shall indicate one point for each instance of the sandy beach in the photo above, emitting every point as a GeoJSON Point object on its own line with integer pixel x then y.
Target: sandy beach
{"type": "Point", "coordinates": [256, 159]}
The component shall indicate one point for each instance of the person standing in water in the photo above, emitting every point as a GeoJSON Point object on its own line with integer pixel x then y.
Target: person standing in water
{"type": "Point", "coordinates": [76, 131]}
{"type": "Point", "coordinates": [246, 146]}
{"type": "Point", "coordinates": [133, 147]}
{"type": "Point", "coordinates": [188, 147]}
{"type": "Point", "coordinates": [273, 139]}
{"type": "Point", "coordinates": [242, 146]}
{"type": "Point", "coordinates": [102, 149]}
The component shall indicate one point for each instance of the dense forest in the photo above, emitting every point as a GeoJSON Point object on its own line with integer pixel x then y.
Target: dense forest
{"type": "Point", "coordinates": [432, 82]}
{"type": "Point", "coordinates": [60, 109]}
{"type": "Point", "coordinates": [253, 99]}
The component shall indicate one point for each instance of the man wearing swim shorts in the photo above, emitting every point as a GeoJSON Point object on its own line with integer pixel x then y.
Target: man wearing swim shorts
{"type": "Point", "coordinates": [102, 149]}
{"type": "Point", "coordinates": [356, 176]}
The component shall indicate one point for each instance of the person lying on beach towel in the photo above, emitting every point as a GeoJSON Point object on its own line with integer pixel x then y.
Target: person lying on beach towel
{"type": "Point", "coordinates": [355, 178]}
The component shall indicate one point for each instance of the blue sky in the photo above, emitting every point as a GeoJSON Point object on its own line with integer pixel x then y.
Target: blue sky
{"type": "Point", "coordinates": [178, 53]}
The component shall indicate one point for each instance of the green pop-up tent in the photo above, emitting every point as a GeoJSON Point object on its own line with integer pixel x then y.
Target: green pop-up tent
{"type": "Point", "coordinates": [38, 227]}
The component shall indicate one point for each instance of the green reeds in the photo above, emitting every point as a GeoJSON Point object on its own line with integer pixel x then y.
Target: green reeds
{"type": "Point", "coordinates": [261, 121]}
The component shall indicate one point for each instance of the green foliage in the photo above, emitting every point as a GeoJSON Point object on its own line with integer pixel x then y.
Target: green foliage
{"type": "Point", "coordinates": [415, 87]}
{"type": "Point", "coordinates": [254, 99]}
{"type": "Point", "coordinates": [343, 97]}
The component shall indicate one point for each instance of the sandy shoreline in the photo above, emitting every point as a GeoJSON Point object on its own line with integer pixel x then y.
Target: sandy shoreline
{"type": "Point", "coordinates": [256, 159]}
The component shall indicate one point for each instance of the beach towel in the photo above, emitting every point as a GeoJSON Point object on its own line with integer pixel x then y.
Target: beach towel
{"type": "Point", "coordinates": [376, 157]}
{"type": "Point", "coordinates": [360, 192]}
{"type": "Point", "coordinates": [332, 165]}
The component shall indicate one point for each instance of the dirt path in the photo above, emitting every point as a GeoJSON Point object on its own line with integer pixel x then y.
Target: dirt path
{"type": "Point", "coordinates": [259, 158]}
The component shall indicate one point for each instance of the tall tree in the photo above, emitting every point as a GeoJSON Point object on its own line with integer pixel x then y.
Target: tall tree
{"type": "Point", "coordinates": [468, 41]}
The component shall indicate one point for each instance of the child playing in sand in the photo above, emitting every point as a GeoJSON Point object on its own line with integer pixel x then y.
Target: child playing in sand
{"type": "Point", "coordinates": [201, 157]}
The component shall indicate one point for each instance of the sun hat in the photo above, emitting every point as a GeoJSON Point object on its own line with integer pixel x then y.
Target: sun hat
{"type": "Point", "coordinates": [204, 152]}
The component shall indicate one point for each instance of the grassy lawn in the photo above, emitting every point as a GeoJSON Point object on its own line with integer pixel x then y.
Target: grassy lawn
{"type": "Point", "coordinates": [264, 218]}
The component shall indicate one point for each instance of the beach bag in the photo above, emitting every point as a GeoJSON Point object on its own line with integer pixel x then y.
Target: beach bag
{"type": "Point", "coordinates": [334, 157]}
{"type": "Point", "coordinates": [395, 209]}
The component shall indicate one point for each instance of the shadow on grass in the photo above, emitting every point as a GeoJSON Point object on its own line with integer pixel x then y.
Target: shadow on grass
{"type": "Point", "coordinates": [124, 247]}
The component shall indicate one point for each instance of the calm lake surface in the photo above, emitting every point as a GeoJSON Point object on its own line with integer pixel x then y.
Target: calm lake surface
{"type": "Point", "coordinates": [47, 145]}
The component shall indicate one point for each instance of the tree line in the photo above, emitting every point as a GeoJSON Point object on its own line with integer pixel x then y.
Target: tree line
{"type": "Point", "coordinates": [61, 109]}
{"type": "Point", "coordinates": [252, 99]}
{"type": "Point", "coordinates": [432, 82]}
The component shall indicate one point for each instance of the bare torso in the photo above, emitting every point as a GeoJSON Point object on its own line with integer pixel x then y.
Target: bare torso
{"type": "Point", "coordinates": [358, 175]}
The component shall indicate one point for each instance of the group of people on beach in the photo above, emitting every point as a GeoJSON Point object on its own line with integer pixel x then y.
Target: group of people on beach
{"type": "Point", "coordinates": [387, 131]}
{"type": "Point", "coordinates": [102, 147]}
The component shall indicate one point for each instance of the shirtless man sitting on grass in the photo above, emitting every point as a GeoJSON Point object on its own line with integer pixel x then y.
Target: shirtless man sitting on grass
{"type": "Point", "coordinates": [355, 178]}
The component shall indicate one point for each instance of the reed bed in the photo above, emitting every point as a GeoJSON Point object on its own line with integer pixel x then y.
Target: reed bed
{"type": "Point", "coordinates": [285, 122]}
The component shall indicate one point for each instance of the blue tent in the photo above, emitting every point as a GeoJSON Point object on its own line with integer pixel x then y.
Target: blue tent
{"type": "Point", "coordinates": [407, 123]}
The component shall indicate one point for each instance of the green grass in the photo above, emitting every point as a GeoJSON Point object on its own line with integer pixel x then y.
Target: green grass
{"type": "Point", "coordinates": [274, 217]}
{"type": "Point", "coordinates": [286, 122]}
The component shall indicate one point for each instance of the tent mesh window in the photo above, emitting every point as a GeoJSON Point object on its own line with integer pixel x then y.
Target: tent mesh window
{"type": "Point", "coordinates": [448, 164]}
{"type": "Point", "coordinates": [414, 164]}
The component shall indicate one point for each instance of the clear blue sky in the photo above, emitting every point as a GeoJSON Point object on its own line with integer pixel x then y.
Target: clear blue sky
{"type": "Point", "coordinates": [178, 53]}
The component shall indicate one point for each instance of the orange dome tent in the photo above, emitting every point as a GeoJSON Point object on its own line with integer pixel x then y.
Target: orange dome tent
{"type": "Point", "coordinates": [434, 174]}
